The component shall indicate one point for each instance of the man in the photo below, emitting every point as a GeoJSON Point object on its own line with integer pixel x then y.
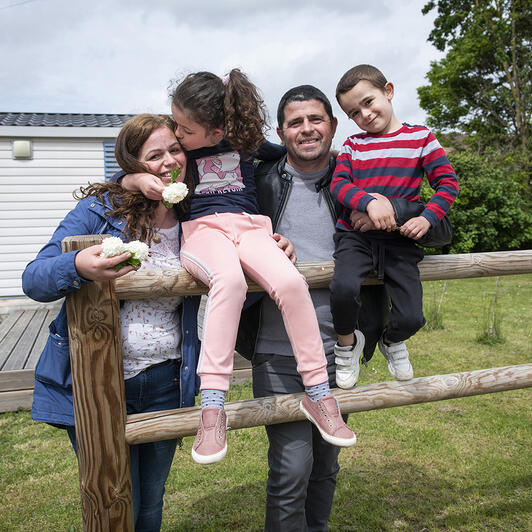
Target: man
{"type": "Point", "coordinates": [294, 192]}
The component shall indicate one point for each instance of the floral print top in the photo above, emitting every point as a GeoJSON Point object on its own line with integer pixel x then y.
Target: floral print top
{"type": "Point", "coordinates": [151, 328]}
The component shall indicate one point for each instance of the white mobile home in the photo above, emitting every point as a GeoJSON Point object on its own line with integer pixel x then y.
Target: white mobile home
{"type": "Point", "coordinates": [43, 159]}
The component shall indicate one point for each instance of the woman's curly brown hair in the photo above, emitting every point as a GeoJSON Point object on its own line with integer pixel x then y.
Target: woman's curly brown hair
{"type": "Point", "coordinates": [233, 105]}
{"type": "Point", "coordinates": [137, 210]}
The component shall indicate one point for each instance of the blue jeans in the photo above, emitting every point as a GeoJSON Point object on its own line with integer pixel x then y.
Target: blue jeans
{"type": "Point", "coordinates": [155, 388]}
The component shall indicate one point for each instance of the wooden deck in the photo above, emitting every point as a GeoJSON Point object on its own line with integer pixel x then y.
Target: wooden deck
{"type": "Point", "coordinates": [23, 334]}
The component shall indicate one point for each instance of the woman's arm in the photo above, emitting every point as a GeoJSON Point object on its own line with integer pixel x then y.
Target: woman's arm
{"type": "Point", "coordinates": [53, 274]}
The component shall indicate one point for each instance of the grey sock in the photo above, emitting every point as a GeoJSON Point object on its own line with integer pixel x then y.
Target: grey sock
{"type": "Point", "coordinates": [212, 398]}
{"type": "Point", "coordinates": [318, 391]}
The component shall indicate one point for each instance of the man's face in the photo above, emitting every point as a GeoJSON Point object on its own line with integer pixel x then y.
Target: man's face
{"type": "Point", "coordinates": [307, 132]}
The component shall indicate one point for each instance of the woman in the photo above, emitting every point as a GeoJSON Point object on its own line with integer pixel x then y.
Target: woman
{"type": "Point", "coordinates": [159, 342]}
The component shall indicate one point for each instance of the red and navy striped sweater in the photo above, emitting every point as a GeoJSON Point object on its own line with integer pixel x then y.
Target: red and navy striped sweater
{"type": "Point", "coordinates": [393, 165]}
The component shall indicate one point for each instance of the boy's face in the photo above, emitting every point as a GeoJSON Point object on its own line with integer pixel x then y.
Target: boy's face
{"type": "Point", "coordinates": [370, 108]}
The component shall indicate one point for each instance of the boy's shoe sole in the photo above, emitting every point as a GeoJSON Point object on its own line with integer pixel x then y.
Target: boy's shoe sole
{"type": "Point", "coordinates": [347, 378]}
{"type": "Point", "coordinates": [397, 355]}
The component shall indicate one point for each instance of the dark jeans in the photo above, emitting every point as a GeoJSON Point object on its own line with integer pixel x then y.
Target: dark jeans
{"type": "Point", "coordinates": [155, 388]}
{"type": "Point", "coordinates": [302, 465]}
{"type": "Point", "coordinates": [396, 260]}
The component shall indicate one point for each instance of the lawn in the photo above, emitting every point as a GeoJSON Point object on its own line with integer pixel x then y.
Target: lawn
{"type": "Point", "coordinates": [458, 465]}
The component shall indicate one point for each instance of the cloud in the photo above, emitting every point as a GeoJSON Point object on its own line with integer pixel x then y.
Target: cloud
{"type": "Point", "coordinates": [119, 57]}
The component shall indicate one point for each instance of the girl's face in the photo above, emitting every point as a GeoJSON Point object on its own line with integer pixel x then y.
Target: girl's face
{"type": "Point", "coordinates": [192, 135]}
{"type": "Point", "coordinates": [161, 153]}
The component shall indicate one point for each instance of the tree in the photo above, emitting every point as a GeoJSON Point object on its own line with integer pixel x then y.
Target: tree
{"type": "Point", "coordinates": [482, 87]}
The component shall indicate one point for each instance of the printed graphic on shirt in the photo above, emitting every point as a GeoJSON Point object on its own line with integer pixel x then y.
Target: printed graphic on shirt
{"type": "Point", "coordinates": [219, 174]}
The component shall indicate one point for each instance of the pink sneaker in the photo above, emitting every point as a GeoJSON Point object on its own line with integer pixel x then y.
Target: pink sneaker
{"type": "Point", "coordinates": [325, 414]}
{"type": "Point", "coordinates": [210, 444]}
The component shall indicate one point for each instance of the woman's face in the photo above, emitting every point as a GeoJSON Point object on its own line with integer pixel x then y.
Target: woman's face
{"type": "Point", "coordinates": [161, 153]}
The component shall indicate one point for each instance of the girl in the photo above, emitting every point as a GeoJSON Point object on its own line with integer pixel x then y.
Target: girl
{"type": "Point", "coordinates": [159, 342]}
{"type": "Point", "coordinates": [220, 122]}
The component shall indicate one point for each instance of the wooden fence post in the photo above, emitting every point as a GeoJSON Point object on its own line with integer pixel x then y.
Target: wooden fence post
{"type": "Point", "coordinates": [99, 402]}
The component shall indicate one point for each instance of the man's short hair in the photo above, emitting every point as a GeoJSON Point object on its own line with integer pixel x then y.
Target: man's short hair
{"type": "Point", "coordinates": [302, 93]}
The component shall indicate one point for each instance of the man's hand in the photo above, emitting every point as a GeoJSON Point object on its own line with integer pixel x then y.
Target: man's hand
{"type": "Point", "coordinates": [151, 186]}
{"type": "Point", "coordinates": [287, 246]}
{"type": "Point", "coordinates": [415, 228]}
{"type": "Point", "coordinates": [90, 265]}
{"type": "Point", "coordinates": [361, 222]}
{"type": "Point", "coordinates": [381, 213]}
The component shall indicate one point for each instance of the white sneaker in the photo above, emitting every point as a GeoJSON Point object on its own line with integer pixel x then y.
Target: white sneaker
{"type": "Point", "coordinates": [397, 356]}
{"type": "Point", "coordinates": [348, 362]}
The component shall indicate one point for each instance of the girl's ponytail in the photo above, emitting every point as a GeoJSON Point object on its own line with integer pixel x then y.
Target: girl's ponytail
{"type": "Point", "coordinates": [245, 113]}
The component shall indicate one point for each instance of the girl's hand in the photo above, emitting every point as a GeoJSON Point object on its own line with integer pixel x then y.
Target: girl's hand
{"type": "Point", "coordinates": [90, 265]}
{"type": "Point", "coordinates": [381, 212]}
{"type": "Point", "coordinates": [286, 246]}
{"type": "Point", "coordinates": [151, 186]}
{"type": "Point", "coordinates": [415, 228]}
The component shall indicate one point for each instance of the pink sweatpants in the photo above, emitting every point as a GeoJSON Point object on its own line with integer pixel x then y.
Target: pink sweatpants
{"type": "Point", "coordinates": [218, 249]}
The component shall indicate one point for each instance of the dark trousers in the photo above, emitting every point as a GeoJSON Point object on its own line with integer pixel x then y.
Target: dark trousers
{"type": "Point", "coordinates": [302, 465]}
{"type": "Point", "coordinates": [395, 260]}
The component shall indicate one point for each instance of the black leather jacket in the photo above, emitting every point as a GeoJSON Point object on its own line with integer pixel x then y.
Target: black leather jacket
{"type": "Point", "coordinates": [273, 184]}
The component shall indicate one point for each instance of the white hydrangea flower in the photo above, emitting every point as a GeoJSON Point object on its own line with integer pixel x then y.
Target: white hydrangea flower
{"type": "Point", "coordinates": [139, 250]}
{"type": "Point", "coordinates": [112, 246]}
{"type": "Point", "coordinates": [175, 192]}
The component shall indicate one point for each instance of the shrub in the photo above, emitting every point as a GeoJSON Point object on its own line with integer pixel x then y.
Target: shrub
{"type": "Point", "coordinates": [492, 211]}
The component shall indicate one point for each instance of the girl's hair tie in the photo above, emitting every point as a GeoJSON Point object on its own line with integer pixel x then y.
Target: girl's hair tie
{"type": "Point", "coordinates": [225, 79]}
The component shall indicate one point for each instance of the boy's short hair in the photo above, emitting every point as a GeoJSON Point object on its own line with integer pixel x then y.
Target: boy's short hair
{"type": "Point", "coordinates": [359, 73]}
{"type": "Point", "coordinates": [302, 93]}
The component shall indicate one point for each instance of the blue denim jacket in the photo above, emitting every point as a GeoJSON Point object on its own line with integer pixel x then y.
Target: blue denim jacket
{"type": "Point", "coordinates": [53, 275]}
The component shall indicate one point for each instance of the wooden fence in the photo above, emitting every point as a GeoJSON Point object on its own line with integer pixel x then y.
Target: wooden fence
{"type": "Point", "coordinates": [103, 430]}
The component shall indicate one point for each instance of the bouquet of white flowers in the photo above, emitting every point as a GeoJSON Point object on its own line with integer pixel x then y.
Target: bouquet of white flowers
{"type": "Point", "coordinates": [113, 246]}
{"type": "Point", "coordinates": [174, 192]}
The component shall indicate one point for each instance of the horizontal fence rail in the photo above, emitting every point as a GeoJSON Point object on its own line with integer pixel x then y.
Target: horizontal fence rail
{"type": "Point", "coordinates": [161, 283]}
{"type": "Point", "coordinates": [143, 428]}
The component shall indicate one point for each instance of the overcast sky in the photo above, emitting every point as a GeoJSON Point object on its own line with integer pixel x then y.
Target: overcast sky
{"type": "Point", "coordinates": [119, 56]}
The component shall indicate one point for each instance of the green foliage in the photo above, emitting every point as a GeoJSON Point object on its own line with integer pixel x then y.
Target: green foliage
{"type": "Point", "coordinates": [432, 305]}
{"type": "Point", "coordinates": [482, 87]}
{"type": "Point", "coordinates": [491, 326]}
{"type": "Point", "coordinates": [492, 211]}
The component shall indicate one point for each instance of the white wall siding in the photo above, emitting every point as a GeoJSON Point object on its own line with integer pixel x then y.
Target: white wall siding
{"type": "Point", "coordinates": [36, 194]}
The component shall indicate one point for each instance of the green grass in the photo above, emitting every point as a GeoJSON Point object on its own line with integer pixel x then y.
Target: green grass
{"type": "Point", "coordinates": [459, 465]}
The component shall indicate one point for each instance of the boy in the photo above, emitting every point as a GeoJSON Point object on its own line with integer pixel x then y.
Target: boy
{"type": "Point", "coordinates": [388, 160]}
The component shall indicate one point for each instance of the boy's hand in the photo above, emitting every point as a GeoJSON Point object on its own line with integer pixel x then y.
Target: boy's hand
{"type": "Point", "coordinates": [381, 212]}
{"type": "Point", "coordinates": [415, 228]}
{"type": "Point", "coordinates": [360, 221]}
{"type": "Point", "coordinates": [151, 186]}
{"type": "Point", "coordinates": [287, 246]}
{"type": "Point", "coordinates": [90, 265]}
